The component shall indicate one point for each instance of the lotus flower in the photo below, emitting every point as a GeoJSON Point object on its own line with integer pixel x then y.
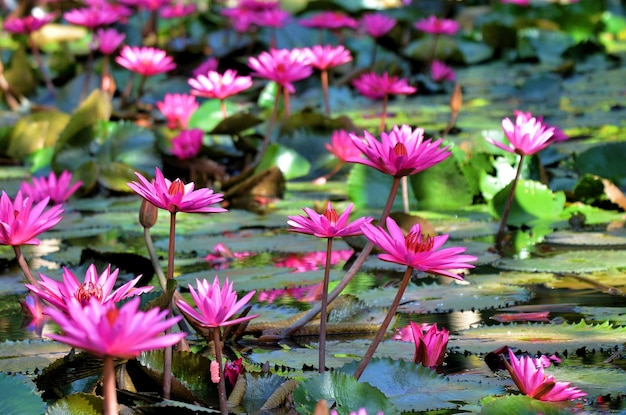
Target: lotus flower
{"type": "Point", "coordinates": [437, 26]}
{"type": "Point", "coordinates": [27, 24]}
{"type": "Point", "coordinates": [526, 137]}
{"type": "Point", "coordinates": [327, 56]}
{"type": "Point", "coordinates": [342, 147]}
{"type": "Point", "coordinates": [220, 86]}
{"type": "Point", "coordinates": [439, 71]}
{"type": "Point", "coordinates": [21, 222]}
{"type": "Point", "coordinates": [177, 109]}
{"type": "Point", "coordinates": [328, 224]}
{"type": "Point", "coordinates": [108, 40]}
{"type": "Point", "coordinates": [330, 20]}
{"type": "Point", "coordinates": [376, 86]}
{"type": "Point", "coordinates": [92, 17]}
{"type": "Point", "coordinates": [430, 346]}
{"type": "Point", "coordinates": [282, 66]}
{"type": "Point", "coordinates": [187, 144]}
{"type": "Point", "coordinates": [377, 24]}
{"type": "Point", "coordinates": [145, 61]}
{"type": "Point", "coordinates": [57, 190]}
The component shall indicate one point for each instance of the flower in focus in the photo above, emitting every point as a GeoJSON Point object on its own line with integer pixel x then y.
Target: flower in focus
{"type": "Point", "coordinates": [328, 56]}
{"type": "Point", "coordinates": [417, 250]}
{"type": "Point", "coordinates": [208, 65]}
{"type": "Point", "coordinates": [405, 333]}
{"type": "Point", "coordinates": [430, 345]}
{"type": "Point", "coordinates": [327, 224]}
{"type": "Point", "coordinates": [232, 371]}
{"type": "Point", "coordinates": [104, 330]}
{"type": "Point", "coordinates": [376, 86]}
{"type": "Point", "coordinates": [341, 146]}
{"type": "Point", "coordinates": [21, 222]}
{"type": "Point", "coordinates": [145, 61]}
{"type": "Point", "coordinates": [401, 152]}
{"type": "Point", "coordinates": [377, 24]}
{"type": "Point", "coordinates": [526, 137]}
{"type": "Point", "coordinates": [177, 10]}
{"type": "Point", "coordinates": [176, 196]}
{"type": "Point", "coordinates": [282, 66]}
{"type": "Point", "coordinates": [27, 24]}
{"type": "Point", "coordinates": [108, 40]}
{"type": "Point", "coordinates": [177, 109]}
{"type": "Point", "coordinates": [439, 71]}
{"type": "Point", "coordinates": [528, 375]}
{"type": "Point", "coordinates": [216, 85]}
{"type": "Point", "coordinates": [558, 134]}
{"type": "Point", "coordinates": [32, 307]}
{"type": "Point", "coordinates": [57, 190]}
{"type": "Point", "coordinates": [330, 20]}
{"type": "Point", "coordinates": [187, 144]}
{"type": "Point", "coordinates": [437, 26]}
{"type": "Point", "coordinates": [100, 287]}
{"type": "Point", "coordinates": [216, 304]}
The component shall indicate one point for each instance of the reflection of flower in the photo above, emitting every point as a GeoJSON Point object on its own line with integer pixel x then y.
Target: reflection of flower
{"type": "Point", "coordinates": [282, 66]}
{"type": "Point", "coordinates": [327, 224]}
{"type": "Point", "coordinates": [145, 61]}
{"type": "Point", "coordinates": [528, 375]}
{"type": "Point", "coordinates": [312, 260]}
{"type": "Point", "coordinates": [187, 144]}
{"type": "Point", "coordinates": [526, 137]}
{"type": "Point", "coordinates": [33, 312]}
{"type": "Point", "coordinates": [377, 24]}
{"type": "Point", "coordinates": [417, 250]}
{"type": "Point", "coordinates": [176, 196]}
{"type": "Point", "coordinates": [220, 86]}
{"type": "Point", "coordinates": [177, 109]}
{"type": "Point", "coordinates": [376, 86]}
{"type": "Point", "coordinates": [58, 294]}
{"type": "Point", "coordinates": [222, 256]}
{"type": "Point", "coordinates": [430, 345]}
{"type": "Point", "coordinates": [216, 304]}
{"type": "Point", "coordinates": [104, 330]}
{"type": "Point", "coordinates": [437, 26]}
{"type": "Point", "coordinates": [21, 222]}
{"type": "Point", "coordinates": [57, 189]}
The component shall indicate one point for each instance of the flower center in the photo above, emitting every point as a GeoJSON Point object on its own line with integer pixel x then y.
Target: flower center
{"type": "Point", "coordinates": [416, 242]}
{"type": "Point", "coordinates": [331, 215]}
{"type": "Point", "coordinates": [88, 290]}
{"type": "Point", "coordinates": [400, 149]}
{"type": "Point", "coordinates": [111, 315]}
{"type": "Point", "coordinates": [176, 187]}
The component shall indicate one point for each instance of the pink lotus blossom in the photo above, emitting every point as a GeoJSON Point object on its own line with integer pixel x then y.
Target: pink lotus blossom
{"type": "Point", "coordinates": [176, 196]}
{"type": "Point", "coordinates": [232, 370]}
{"type": "Point", "coordinates": [145, 61]}
{"type": "Point", "coordinates": [32, 307]}
{"type": "Point", "coordinates": [21, 222]}
{"type": "Point", "coordinates": [57, 190]}
{"type": "Point", "coordinates": [27, 24]}
{"type": "Point", "coordinates": [104, 330]}
{"type": "Point", "coordinates": [282, 66]}
{"type": "Point", "coordinates": [416, 250]}
{"type": "Point", "coordinates": [327, 56]}
{"type": "Point", "coordinates": [401, 152]}
{"type": "Point", "coordinates": [330, 20]}
{"type": "Point", "coordinates": [342, 146]}
{"type": "Point", "coordinates": [208, 65]}
{"type": "Point", "coordinates": [377, 24]}
{"type": "Point", "coordinates": [327, 224]}
{"type": "Point", "coordinates": [177, 10]}
{"type": "Point", "coordinates": [376, 86]}
{"type": "Point", "coordinates": [430, 346]}
{"type": "Point", "coordinates": [437, 26]}
{"type": "Point", "coordinates": [187, 144]}
{"type": "Point", "coordinates": [240, 18]}
{"type": "Point", "coordinates": [216, 304]}
{"type": "Point", "coordinates": [177, 109]}
{"type": "Point", "coordinates": [108, 40]}
{"type": "Point", "coordinates": [405, 333]}
{"type": "Point", "coordinates": [518, 2]}
{"type": "Point", "coordinates": [526, 137]}
{"type": "Point", "coordinates": [152, 5]}
{"type": "Point", "coordinates": [259, 5]}
{"type": "Point", "coordinates": [558, 135]}
{"type": "Point", "coordinates": [92, 17]}
{"type": "Point", "coordinates": [220, 86]}
{"type": "Point", "coordinates": [100, 287]}
{"type": "Point", "coordinates": [529, 377]}
{"type": "Point", "coordinates": [272, 18]}
{"type": "Point", "coordinates": [361, 411]}
{"type": "Point", "coordinates": [440, 72]}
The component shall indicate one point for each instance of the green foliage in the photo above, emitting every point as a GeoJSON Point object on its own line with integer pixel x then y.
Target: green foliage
{"type": "Point", "coordinates": [605, 160]}
{"type": "Point", "coordinates": [19, 397]}
{"type": "Point", "coordinates": [77, 404]}
{"type": "Point", "coordinates": [522, 405]}
{"type": "Point", "coordinates": [290, 163]}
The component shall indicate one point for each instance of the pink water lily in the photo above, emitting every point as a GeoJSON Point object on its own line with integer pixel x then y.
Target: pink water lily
{"type": "Point", "coordinates": [283, 66]}
{"type": "Point", "coordinates": [146, 61]}
{"type": "Point", "coordinates": [216, 304]}
{"type": "Point", "coordinates": [327, 224]}
{"type": "Point", "coordinates": [375, 86]}
{"type": "Point", "coordinates": [341, 146]}
{"type": "Point", "coordinates": [176, 196]}
{"type": "Point", "coordinates": [108, 40]}
{"type": "Point", "coordinates": [332, 20]}
{"type": "Point", "coordinates": [187, 144]}
{"type": "Point", "coordinates": [437, 26]}
{"type": "Point", "coordinates": [92, 17]}
{"type": "Point", "coordinates": [324, 57]}
{"type": "Point", "coordinates": [21, 222]}
{"type": "Point", "coordinates": [528, 375]}
{"type": "Point", "coordinates": [417, 250]}
{"type": "Point", "coordinates": [430, 345]}
{"type": "Point", "coordinates": [100, 287]}
{"type": "Point", "coordinates": [177, 109]}
{"type": "Point", "coordinates": [526, 136]}
{"type": "Point", "coordinates": [220, 86]}
{"type": "Point", "coordinates": [377, 24]}
{"type": "Point", "coordinates": [27, 24]}
{"type": "Point", "coordinates": [59, 190]}
{"type": "Point", "coordinates": [440, 72]}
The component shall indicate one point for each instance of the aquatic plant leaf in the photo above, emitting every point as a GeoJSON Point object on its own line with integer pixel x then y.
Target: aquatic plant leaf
{"type": "Point", "coordinates": [595, 381]}
{"type": "Point", "coordinates": [209, 114]}
{"type": "Point", "coordinates": [68, 369]}
{"type": "Point", "coordinates": [616, 315]}
{"type": "Point", "coordinates": [28, 355]}
{"type": "Point", "coordinates": [615, 239]}
{"type": "Point", "coordinates": [369, 188]}
{"type": "Point", "coordinates": [288, 160]}
{"type": "Point", "coordinates": [344, 391]}
{"type": "Point", "coordinates": [521, 405]}
{"type": "Point", "coordinates": [35, 132]}
{"type": "Point", "coordinates": [168, 406]}
{"type": "Point", "coordinates": [19, 396]}
{"type": "Point", "coordinates": [603, 160]}
{"type": "Point", "coordinates": [532, 200]}
{"type": "Point", "coordinates": [545, 338]}
{"type": "Point", "coordinates": [574, 262]}
{"type": "Point", "coordinates": [413, 388]}
{"type": "Point", "coordinates": [77, 404]}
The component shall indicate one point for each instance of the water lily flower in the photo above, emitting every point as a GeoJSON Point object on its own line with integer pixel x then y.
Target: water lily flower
{"type": "Point", "coordinates": [187, 144]}
{"type": "Point", "coordinates": [440, 72]}
{"type": "Point", "coordinates": [327, 224]}
{"type": "Point", "coordinates": [401, 152]}
{"type": "Point", "coordinates": [558, 135]}
{"type": "Point", "coordinates": [342, 146]}
{"type": "Point", "coordinates": [58, 190]}
{"type": "Point", "coordinates": [417, 250]}
{"type": "Point", "coordinates": [282, 66]}
{"type": "Point", "coordinates": [21, 222]}
{"type": "Point", "coordinates": [531, 380]}
{"type": "Point", "coordinates": [332, 20]}
{"type": "Point", "coordinates": [273, 17]}
{"type": "Point", "coordinates": [377, 24]}
{"type": "Point", "coordinates": [92, 17]}
{"type": "Point", "coordinates": [327, 56]}
{"type": "Point", "coordinates": [405, 333]}
{"type": "Point", "coordinates": [259, 5]}
{"type": "Point", "coordinates": [361, 411]}
{"type": "Point", "coordinates": [526, 137]}
{"type": "Point", "coordinates": [208, 65]}
{"type": "Point", "coordinates": [58, 294]}
{"type": "Point", "coordinates": [152, 5]}
{"type": "Point", "coordinates": [430, 345]}
{"type": "Point", "coordinates": [437, 26]}
{"type": "Point", "coordinates": [27, 24]}
{"type": "Point", "coordinates": [232, 370]}
{"type": "Point", "coordinates": [216, 304]}
{"type": "Point", "coordinates": [220, 86]}
{"type": "Point", "coordinates": [176, 196]}
{"type": "Point", "coordinates": [374, 86]}
{"type": "Point", "coordinates": [177, 10]}
{"type": "Point", "coordinates": [146, 61]}
{"type": "Point", "coordinates": [241, 19]}
{"type": "Point", "coordinates": [177, 109]}
{"type": "Point", "coordinates": [108, 40]}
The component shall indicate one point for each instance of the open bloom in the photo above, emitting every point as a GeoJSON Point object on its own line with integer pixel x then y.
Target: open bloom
{"type": "Point", "coordinates": [177, 109]}
{"type": "Point", "coordinates": [104, 330]}
{"type": "Point", "coordinates": [208, 65]}
{"type": "Point", "coordinates": [272, 18]}
{"type": "Point", "coordinates": [27, 24]}
{"type": "Point", "coordinates": [417, 250]}
{"type": "Point", "coordinates": [58, 190]}
{"type": "Point", "coordinates": [377, 24]}
{"type": "Point", "coordinates": [401, 152]}
{"type": "Point", "coordinates": [528, 375]}
{"type": "Point", "coordinates": [220, 86]}
{"type": "Point", "coordinates": [108, 40]}
{"type": "Point", "coordinates": [145, 61]}
{"type": "Point", "coordinates": [430, 345]}
{"type": "Point", "coordinates": [558, 135]}
{"type": "Point", "coordinates": [341, 146]}
{"type": "Point", "coordinates": [437, 26]}
{"type": "Point", "coordinates": [187, 144]}
{"type": "Point", "coordinates": [100, 287]}
{"type": "Point", "coordinates": [282, 66]}
{"type": "Point", "coordinates": [177, 10]}
{"type": "Point", "coordinates": [440, 72]}
{"type": "Point", "coordinates": [327, 56]}
{"type": "Point", "coordinates": [92, 17]}
{"type": "Point", "coordinates": [216, 304]}
{"type": "Point", "coordinates": [176, 196]}
{"type": "Point", "coordinates": [376, 86]}
{"type": "Point", "coordinates": [21, 222]}
{"type": "Point", "coordinates": [330, 20]}
{"type": "Point", "coordinates": [328, 224]}
{"type": "Point", "coordinates": [526, 137]}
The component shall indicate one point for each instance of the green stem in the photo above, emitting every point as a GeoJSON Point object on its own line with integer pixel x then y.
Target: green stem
{"type": "Point", "coordinates": [385, 325]}
{"type": "Point", "coordinates": [270, 127]}
{"type": "Point", "coordinates": [286, 103]}
{"type": "Point", "coordinates": [507, 207]}
{"type": "Point", "coordinates": [110, 393]}
{"type": "Point", "coordinates": [88, 71]}
{"type": "Point", "coordinates": [324, 305]}
{"type": "Point", "coordinates": [221, 386]}
{"type": "Point", "coordinates": [324, 76]}
{"type": "Point", "coordinates": [154, 259]}
{"type": "Point", "coordinates": [21, 261]}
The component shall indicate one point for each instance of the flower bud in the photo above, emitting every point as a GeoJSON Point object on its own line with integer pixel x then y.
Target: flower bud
{"type": "Point", "coordinates": [148, 214]}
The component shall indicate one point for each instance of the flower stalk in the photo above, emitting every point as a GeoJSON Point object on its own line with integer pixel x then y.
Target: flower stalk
{"type": "Point", "coordinates": [507, 207]}
{"type": "Point", "coordinates": [110, 393]}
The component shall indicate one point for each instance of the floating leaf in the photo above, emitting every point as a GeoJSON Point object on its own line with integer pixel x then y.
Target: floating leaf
{"type": "Point", "coordinates": [77, 404]}
{"type": "Point", "coordinates": [522, 405]}
{"type": "Point", "coordinates": [290, 163]}
{"type": "Point", "coordinates": [603, 160]}
{"type": "Point", "coordinates": [532, 200]}
{"type": "Point", "coordinates": [574, 262]}
{"type": "Point", "coordinates": [19, 397]}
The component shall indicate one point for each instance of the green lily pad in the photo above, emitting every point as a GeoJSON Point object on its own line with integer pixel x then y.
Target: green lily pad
{"type": "Point", "coordinates": [77, 404]}
{"type": "Point", "coordinates": [610, 239]}
{"type": "Point", "coordinates": [22, 398]}
{"type": "Point", "coordinates": [522, 405]}
{"type": "Point", "coordinates": [603, 160]}
{"type": "Point", "coordinates": [575, 262]}
{"type": "Point", "coordinates": [290, 163]}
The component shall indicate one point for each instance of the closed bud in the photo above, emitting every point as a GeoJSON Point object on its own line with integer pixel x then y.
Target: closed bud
{"type": "Point", "coordinates": [148, 214]}
{"type": "Point", "coordinates": [456, 100]}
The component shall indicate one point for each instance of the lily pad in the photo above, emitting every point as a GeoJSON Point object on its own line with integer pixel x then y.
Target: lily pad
{"type": "Point", "coordinates": [612, 239]}
{"type": "Point", "coordinates": [575, 262]}
{"type": "Point", "coordinates": [22, 398]}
